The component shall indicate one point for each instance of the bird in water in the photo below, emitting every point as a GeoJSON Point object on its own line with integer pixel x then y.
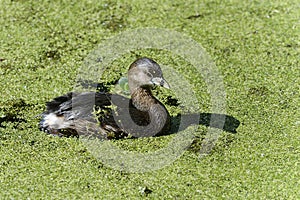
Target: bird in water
{"type": "Point", "coordinates": [105, 115]}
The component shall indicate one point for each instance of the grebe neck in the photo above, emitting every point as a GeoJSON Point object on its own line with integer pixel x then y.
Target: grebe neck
{"type": "Point", "coordinates": [143, 99]}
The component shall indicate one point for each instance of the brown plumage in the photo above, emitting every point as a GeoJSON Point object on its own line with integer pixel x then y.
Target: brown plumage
{"type": "Point", "coordinates": [106, 115]}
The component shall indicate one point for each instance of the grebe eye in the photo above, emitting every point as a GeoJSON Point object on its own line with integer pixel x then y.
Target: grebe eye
{"type": "Point", "coordinates": [149, 74]}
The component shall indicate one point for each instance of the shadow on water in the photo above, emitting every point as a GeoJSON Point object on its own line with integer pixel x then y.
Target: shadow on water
{"type": "Point", "coordinates": [220, 121]}
{"type": "Point", "coordinates": [11, 119]}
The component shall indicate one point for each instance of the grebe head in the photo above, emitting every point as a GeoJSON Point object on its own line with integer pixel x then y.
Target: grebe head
{"type": "Point", "coordinates": [145, 72]}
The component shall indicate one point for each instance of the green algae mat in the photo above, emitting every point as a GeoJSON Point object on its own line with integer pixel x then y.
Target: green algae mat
{"type": "Point", "coordinates": [253, 49]}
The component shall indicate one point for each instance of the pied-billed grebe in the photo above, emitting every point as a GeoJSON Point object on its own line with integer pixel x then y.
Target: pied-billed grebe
{"type": "Point", "coordinates": [108, 115]}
